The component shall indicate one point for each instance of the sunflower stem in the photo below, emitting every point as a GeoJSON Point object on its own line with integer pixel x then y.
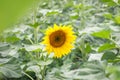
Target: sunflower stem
{"type": "Point", "coordinates": [43, 73]}
{"type": "Point", "coordinates": [84, 56]}
{"type": "Point", "coordinates": [44, 69]}
{"type": "Point", "coordinates": [37, 54]}
{"type": "Point", "coordinates": [34, 22]}
{"type": "Point", "coordinates": [28, 75]}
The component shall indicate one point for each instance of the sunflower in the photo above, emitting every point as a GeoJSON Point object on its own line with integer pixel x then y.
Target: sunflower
{"type": "Point", "coordinates": [59, 39]}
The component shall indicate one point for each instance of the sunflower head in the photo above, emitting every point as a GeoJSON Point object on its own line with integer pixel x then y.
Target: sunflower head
{"type": "Point", "coordinates": [59, 39]}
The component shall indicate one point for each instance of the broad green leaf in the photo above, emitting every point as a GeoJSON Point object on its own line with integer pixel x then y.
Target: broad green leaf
{"type": "Point", "coordinates": [110, 2]}
{"type": "Point", "coordinates": [74, 16]}
{"type": "Point", "coordinates": [33, 47]}
{"type": "Point", "coordinates": [93, 57]}
{"type": "Point", "coordinates": [13, 53]}
{"type": "Point", "coordinates": [34, 68]}
{"type": "Point", "coordinates": [114, 71]}
{"type": "Point", "coordinates": [35, 25]}
{"type": "Point", "coordinates": [106, 46]}
{"type": "Point", "coordinates": [108, 56]}
{"type": "Point", "coordinates": [88, 71]}
{"type": "Point", "coordinates": [102, 34]}
{"type": "Point", "coordinates": [44, 11]}
{"type": "Point", "coordinates": [49, 12]}
{"type": "Point", "coordinates": [108, 15]}
{"type": "Point", "coordinates": [4, 49]}
{"type": "Point", "coordinates": [12, 39]}
{"type": "Point", "coordinates": [47, 62]}
{"type": "Point", "coordinates": [117, 19]}
{"type": "Point", "coordinates": [53, 12]}
{"type": "Point", "coordinates": [10, 71]}
{"type": "Point", "coordinates": [79, 6]}
{"type": "Point", "coordinates": [4, 46]}
{"type": "Point", "coordinates": [4, 60]}
{"type": "Point", "coordinates": [106, 0]}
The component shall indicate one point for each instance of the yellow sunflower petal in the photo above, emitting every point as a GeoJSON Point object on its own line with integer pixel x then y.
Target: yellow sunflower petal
{"type": "Point", "coordinates": [59, 39]}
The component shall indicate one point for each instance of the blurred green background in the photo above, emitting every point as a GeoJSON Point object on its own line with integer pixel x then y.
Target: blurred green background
{"type": "Point", "coordinates": [12, 10]}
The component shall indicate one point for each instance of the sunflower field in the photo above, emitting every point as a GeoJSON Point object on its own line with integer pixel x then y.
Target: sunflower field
{"type": "Point", "coordinates": [60, 40]}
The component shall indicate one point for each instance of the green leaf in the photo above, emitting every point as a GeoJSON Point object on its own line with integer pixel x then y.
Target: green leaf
{"type": "Point", "coordinates": [108, 15]}
{"type": "Point", "coordinates": [88, 48]}
{"type": "Point", "coordinates": [93, 57]}
{"type": "Point", "coordinates": [115, 71]}
{"type": "Point", "coordinates": [35, 25]}
{"type": "Point", "coordinates": [13, 53]}
{"type": "Point", "coordinates": [88, 71]}
{"type": "Point", "coordinates": [49, 12]}
{"type": "Point", "coordinates": [108, 56]}
{"type": "Point", "coordinates": [53, 12]}
{"type": "Point", "coordinates": [117, 19]}
{"type": "Point", "coordinates": [106, 0]}
{"type": "Point", "coordinates": [106, 46]}
{"type": "Point", "coordinates": [49, 61]}
{"type": "Point", "coordinates": [10, 71]}
{"type": "Point", "coordinates": [4, 46]}
{"type": "Point", "coordinates": [74, 16]}
{"type": "Point", "coordinates": [12, 39]}
{"type": "Point", "coordinates": [4, 49]}
{"type": "Point", "coordinates": [33, 47]}
{"type": "Point", "coordinates": [102, 34]}
{"type": "Point", "coordinates": [4, 60]}
{"type": "Point", "coordinates": [34, 68]}
{"type": "Point", "coordinates": [110, 2]}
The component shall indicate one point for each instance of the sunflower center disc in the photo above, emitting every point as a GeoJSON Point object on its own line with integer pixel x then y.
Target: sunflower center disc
{"type": "Point", "coordinates": [57, 38]}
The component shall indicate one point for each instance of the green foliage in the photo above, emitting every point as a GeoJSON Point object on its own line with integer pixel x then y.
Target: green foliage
{"type": "Point", "coordinates": [106, 46]}
{"type": "Point", "coordinates": [108, 56]}
{"type": "Point", "coordinates": [88, 71]}
{"type": "Point", "coordinates": [10, 71]}
{"type": "Point", "coordinates": [108, 16]}
{"type": "Point", "coordinates": [102, 34]}
{"type": "Point", "coordinates": [117, 19]}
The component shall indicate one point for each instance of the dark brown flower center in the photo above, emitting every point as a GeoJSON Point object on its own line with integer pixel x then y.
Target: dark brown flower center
{"type": "Point", "coordinates": [57, 38]}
